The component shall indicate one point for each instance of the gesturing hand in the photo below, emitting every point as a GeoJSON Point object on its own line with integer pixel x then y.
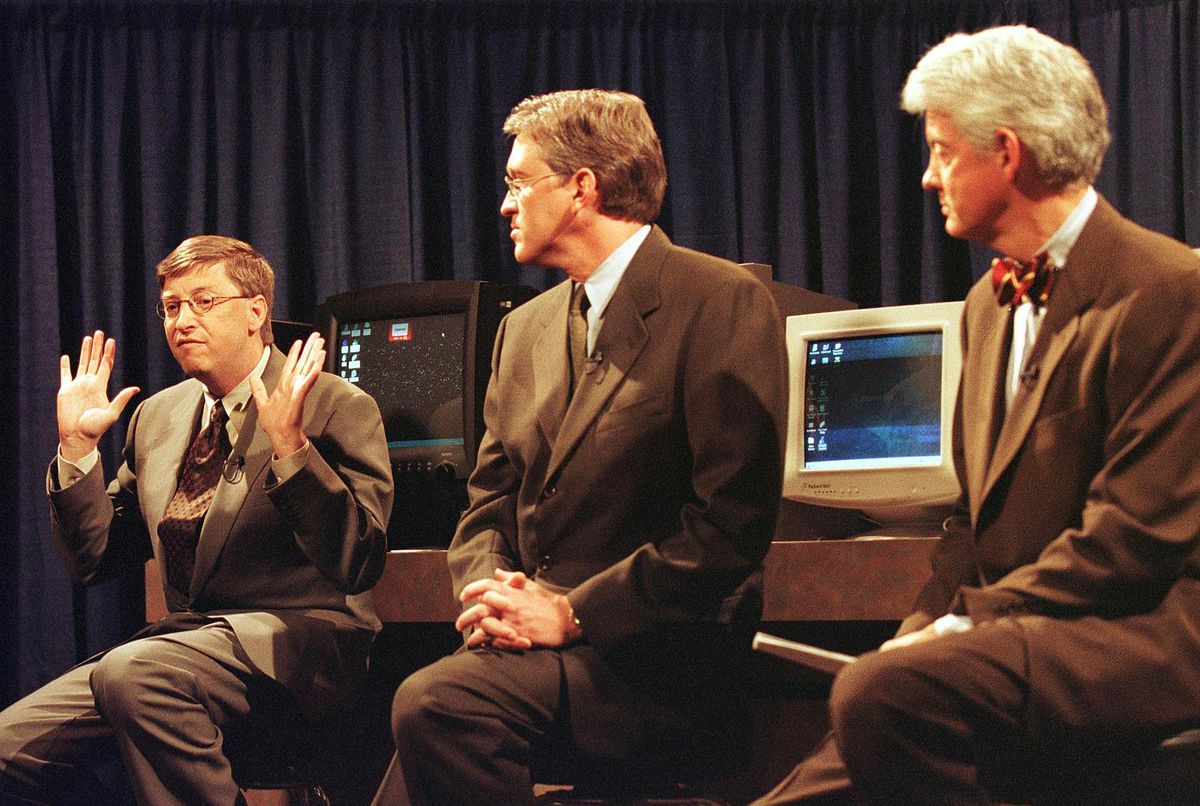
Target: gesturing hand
{"type": "Point", "coordinates": [84, 410]}
{"type": "Point", "coordinates": [281, 413]}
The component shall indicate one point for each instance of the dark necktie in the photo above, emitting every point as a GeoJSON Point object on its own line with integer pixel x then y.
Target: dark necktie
{"type": "Point", "coordinates": [179, 529]}
{"type": "Point", "coordinates": [577, 332]}
{"type": "Point", "coordinates": [1015, 282]}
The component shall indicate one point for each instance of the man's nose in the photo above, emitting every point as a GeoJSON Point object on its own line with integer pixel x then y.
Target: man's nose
{"type": "Point", "coordinates": [929, 178]}
{"type": "Point", "coordinates": [187, 315]}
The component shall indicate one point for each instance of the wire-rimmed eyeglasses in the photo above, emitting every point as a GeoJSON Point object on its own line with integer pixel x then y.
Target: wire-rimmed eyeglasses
{"type": "Point", "coordinates": [517, 186]}
{"type": "Point", "coordinates": [201, 303]}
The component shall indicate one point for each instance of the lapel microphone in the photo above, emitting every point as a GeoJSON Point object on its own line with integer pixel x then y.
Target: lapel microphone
{"type": "Point", "coordinates": [1029, 376]}
{"type": "Point", "coordinates": [592, 362]}
{"type": "Point", "coordinates": [232, 470]}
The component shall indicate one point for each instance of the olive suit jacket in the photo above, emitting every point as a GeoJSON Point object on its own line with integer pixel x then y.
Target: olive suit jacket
{"type": "Point", "coordinates": [287, 564]}
{"type": "Point", "coordinates": [649, 495]}
{"type": "Point", "coordinates": [1080, 515]}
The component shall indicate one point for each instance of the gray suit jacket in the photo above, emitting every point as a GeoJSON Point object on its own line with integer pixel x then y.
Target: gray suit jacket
{"type": "Point", "coordinates": [288, 565]}
{"type": "Point", "coordinates": [650, 496]}
{"type": "Point", "coordinates": [1081, 509]}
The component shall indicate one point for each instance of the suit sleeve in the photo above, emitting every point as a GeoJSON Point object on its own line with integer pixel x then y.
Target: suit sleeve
{"type": "Point", "coordinates": [1140, 520]}
{"type": "Point", "coordinates": [338, 504]}
{"type": "Point", "coordinates": [482, 541]}
{"type": "Point", "coordinates": [99, 532]}
{"type": "Point", "coordinates": [733, 369]}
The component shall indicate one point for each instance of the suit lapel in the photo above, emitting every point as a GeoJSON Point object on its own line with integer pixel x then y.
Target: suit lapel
{"type": "Point", "coordinates": [230, 496]}
{"type": "Point", "coordinates": [1075, 290]}
{"type": "Point", "coordinates": [618, 345]}
{"type": "Point", "coordinates": [550, 366]}
{"type": "Point", "coordinates": [983, 405]}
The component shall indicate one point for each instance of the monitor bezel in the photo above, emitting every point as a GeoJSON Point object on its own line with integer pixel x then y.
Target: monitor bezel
{"type": "Point", "coordinates": [889, 494]}
{"type": "Point", "coordinates": [411, 300]}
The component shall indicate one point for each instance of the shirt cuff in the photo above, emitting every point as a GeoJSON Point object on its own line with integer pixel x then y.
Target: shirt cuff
{"type": "Point", "coordinates": [952, 623]}
{"type": "Point", "coordinates": [71, 472]}
{"type": "Point", "coordinates": [283, 469]}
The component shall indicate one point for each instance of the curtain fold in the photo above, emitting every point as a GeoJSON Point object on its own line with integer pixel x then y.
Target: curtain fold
{"type": "Point", "coordinates": [357, 143]}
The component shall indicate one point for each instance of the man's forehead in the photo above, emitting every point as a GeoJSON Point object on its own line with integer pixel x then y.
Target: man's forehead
{"type": "Point", "coordinates": [940, 126]}
{"type": "Point", "coordinates": [207, 278]}
{"type": "Point", "coordinates": [526, 157]}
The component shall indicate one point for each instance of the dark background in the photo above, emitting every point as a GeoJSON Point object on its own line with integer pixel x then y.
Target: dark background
{"type": "Point", "coordinates": [358, 143]}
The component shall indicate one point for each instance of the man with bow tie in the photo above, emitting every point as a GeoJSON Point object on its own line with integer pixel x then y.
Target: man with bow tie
{"type": "Point", "coordinates": [1061, 622]}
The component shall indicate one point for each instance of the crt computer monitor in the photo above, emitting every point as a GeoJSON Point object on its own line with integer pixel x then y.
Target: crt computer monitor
{"type": "Point", "coordinates": [871, 403]}
{"type": "Point", "coordinates": [423, 351]}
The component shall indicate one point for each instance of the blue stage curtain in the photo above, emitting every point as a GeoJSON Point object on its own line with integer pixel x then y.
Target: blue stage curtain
{"type": "Point", "coordinates": [358, 143]}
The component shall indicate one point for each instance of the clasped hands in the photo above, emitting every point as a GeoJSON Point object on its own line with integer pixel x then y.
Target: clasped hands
{"type": "Point", "coordinates": [511, 611]}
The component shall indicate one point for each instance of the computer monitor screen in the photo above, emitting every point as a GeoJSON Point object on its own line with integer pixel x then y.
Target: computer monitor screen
{"type": "Point", "coordinates": [413, 367]}
{"type": "Point", "coordinates": [873, 401]}
{"type": "Point", "coordinates": [872, 395]}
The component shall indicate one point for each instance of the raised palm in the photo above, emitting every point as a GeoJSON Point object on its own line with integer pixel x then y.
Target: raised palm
{"type": "Point", "coordinates": [281, 412]}
{"type": "Point", "coordinates": [84, 410]}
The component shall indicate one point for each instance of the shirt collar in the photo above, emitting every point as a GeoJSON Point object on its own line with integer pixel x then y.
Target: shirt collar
{"type": "Point", "coordinates": [1063, 240]}
{"type": "Point", "coordinates": [601, 284]}
{"type": "Point", "coordinates": [239, 395]}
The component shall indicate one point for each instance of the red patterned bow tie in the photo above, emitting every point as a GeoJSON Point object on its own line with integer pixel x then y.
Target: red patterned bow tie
{"type": "Point", "coordinates": [1015, 282]}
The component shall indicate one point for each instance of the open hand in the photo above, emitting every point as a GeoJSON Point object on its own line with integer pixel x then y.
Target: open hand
{"type": "Point", "coordinates": [84, 410]}
{"type": "Point", "coordinates": [281, 413]}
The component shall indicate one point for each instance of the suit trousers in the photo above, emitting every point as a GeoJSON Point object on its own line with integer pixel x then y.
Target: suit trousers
{"type": "Point", "coordinates": [465, 728]}
{"type": "Point", "coordinates": [160, 706]}
{"type": "Point", "coordinates": [938, 722]}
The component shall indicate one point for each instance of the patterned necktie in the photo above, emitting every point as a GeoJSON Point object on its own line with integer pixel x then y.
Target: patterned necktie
{"type": "Point", "coordinates": [179, 529]}
{"type": "Point", "coordinates": [1015, 282]}
{"type": "Point", "coordinates": [577, 332]}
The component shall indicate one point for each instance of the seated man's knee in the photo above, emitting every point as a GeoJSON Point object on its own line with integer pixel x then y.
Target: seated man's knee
{"type": "Point", "coordinates": [417, 704]}
{"type": "Point", "coordinates": [127, 679]}
{"type": "Point", "coordinates": [866, 696]}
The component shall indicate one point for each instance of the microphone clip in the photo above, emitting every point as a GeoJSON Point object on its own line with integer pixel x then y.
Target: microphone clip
{"type": "Point", "coordinates": [593, 362]}
{"type": "Point", "coordinates": [232, 471]}
{"type": "Point", "coordinates": [1029, 376]}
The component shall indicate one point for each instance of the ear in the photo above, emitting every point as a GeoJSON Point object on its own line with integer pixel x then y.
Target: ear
{"type": "Point", "coordinates": [1008, 152]}
{"type": "Point", "coordinates": [587, 191]}
{"type": "Point", "coordinates": [257, 315]}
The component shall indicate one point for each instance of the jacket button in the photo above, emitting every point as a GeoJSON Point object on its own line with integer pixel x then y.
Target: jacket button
{"type": "Point", "coordinates": [549, 491]}
{"type": "Point", "coordinates": [544, 562]}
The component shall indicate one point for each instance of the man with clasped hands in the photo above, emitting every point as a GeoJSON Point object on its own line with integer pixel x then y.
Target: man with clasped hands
{"type": "Point", "coordinates": [609, 562]}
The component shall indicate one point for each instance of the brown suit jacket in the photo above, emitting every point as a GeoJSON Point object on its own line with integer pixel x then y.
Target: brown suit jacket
{"type": "Point", "coordinates": [650, 496]}
{"type": "Point", "coordinates": [1080, 515]}
{"type": "Point", "coordinates": [289, 565]}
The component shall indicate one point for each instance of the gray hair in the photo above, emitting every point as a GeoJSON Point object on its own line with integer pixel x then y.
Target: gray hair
{"type": "Point", "coordinates": [1017, 77]}
{"type": "Point", "coordinates": [607, 131]}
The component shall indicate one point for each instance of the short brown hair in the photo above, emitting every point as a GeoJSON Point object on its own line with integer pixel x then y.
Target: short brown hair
{"type": "Point", "coordinates": [607, 131]}
{"type": "Point", "coordinates": [248, 269]}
